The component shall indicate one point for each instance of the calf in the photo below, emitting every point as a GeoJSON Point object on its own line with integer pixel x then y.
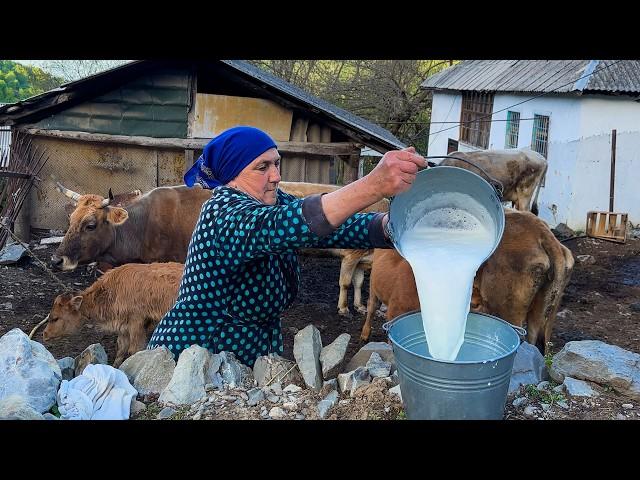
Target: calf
{"type": "Point", "coordinates": [522, 282]}
{"type": "Point", "coordinates": [129, 301]}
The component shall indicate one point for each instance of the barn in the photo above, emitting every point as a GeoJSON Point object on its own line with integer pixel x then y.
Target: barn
{"type": "Point", "coordinates": [142, 125]}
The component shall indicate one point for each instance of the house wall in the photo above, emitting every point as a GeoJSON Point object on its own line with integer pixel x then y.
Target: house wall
{"type": "Point", "coordinates": [579, 150]}
{"type": "Point", "coordinates": [445, 107]}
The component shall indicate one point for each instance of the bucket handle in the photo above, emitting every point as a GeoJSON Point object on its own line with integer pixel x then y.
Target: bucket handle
{"type": "Point", "coordinates": [387, 325]}
{"type": "Point", "coordinates": [522, 332]}
{"type": "Point", "coordinates": [496, 184]}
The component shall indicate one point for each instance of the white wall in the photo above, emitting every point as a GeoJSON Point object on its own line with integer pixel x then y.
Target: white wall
{"type": "Point", "coordinates": [445, 108]}
{"type": "Point", "coordinates": [579, 150]}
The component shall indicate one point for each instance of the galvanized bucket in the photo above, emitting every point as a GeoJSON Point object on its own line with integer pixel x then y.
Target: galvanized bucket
{"type": "Point", "coordinates": [473, 387]}
{"type": "Point", "coordinates": [446, 179]}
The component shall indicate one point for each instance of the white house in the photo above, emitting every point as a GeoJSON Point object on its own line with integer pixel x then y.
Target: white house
{"type": "Point", "coordinates": [565, 110]}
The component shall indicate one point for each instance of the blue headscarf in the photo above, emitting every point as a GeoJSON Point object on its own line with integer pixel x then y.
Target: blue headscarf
{"type": "Point", "coordinates": [226, 155]}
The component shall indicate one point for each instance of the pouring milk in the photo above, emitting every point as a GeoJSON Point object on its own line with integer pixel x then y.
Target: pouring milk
{"type": "Point", "coordinates": [448, 241]}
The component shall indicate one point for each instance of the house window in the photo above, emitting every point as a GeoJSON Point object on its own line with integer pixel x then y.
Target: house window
{"type": "Point", "coordinates": [540, 136]}
{"type": "Point", "coordinates": [476, 106]}
{"type": "Point", "coordinates": [513, 127]}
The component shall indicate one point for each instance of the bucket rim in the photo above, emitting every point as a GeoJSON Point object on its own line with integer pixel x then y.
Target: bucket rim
{"type": "Point", "coordinates": [453, 362]}
{"type": "Point", "coordinates": [463, 171]}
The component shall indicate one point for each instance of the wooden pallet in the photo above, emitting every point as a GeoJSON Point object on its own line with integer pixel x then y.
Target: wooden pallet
{"type": "Point", "coordinates": [607, 226]}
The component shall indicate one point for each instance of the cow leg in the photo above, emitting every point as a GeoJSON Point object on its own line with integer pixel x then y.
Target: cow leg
{"type": "Point", "coordinates": [358, 280]}
{"type": "Point", "coordinates": [137, 339]}
{"type": "Point", "coordinates": [122, 347]}
{"type": "Point", "coordinates": [372, 305]}
{"type": "Point", "coordinates": [347, 267]}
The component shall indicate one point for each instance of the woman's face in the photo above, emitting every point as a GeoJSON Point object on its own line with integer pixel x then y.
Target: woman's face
{"type": "Point", "coordinates": [261, 177]}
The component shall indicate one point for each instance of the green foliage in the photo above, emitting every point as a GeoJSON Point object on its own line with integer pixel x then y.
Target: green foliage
{"type": "Point", "coordinates": [544, 396]}
{"type": "Point", "coordinates": [401, 415]}
{"type": "Point", "coordinates": [18, 82]}
{"type": "Point", "coordinates": [54, 411]}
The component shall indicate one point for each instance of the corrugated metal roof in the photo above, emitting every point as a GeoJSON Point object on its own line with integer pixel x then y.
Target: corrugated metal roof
{"type": "Point", "coordinates": [560, 76]}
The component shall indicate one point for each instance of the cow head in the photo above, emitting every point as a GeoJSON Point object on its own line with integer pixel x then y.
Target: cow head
{"type": "Point", "coordinates": [64, 317]}
{"type": "Point", "coordinates": [91, 229]}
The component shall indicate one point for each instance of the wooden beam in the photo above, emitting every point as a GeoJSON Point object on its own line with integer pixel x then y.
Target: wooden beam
{"type": "Point", "coordinates": [6, 173]}
{"type": "Point", "coordinates": [336, 148]}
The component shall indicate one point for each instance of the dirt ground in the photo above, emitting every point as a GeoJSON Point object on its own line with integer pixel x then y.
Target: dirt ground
{"type": "Point", "coordinates": [597, 305]}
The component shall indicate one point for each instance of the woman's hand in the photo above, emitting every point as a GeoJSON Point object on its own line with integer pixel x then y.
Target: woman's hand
{"type": "Point", "coordinates": [396, 171]}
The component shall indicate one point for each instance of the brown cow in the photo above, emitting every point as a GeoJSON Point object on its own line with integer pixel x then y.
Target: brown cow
{"type": "Point", "coordinates": [129, 301]}
{"type": "Point", "coordinates": [523, 281]}
{"type": "Point", "coordinates": [519, 170]}
{"type": "Point", "coordinates": [156, 227]}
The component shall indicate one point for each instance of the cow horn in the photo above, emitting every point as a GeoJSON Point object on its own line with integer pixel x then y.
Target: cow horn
{"type": "Point", "coordinates": [105, 202]}
{"type": "Point", "coordinates": [69, 193]}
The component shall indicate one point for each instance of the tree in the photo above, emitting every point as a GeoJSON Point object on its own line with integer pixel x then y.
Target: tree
{"type": "Point", "coordinates": [18, 82]}
{"type": "Point", "coordinates": [71, 70]}
{"type": "Point", "coordinates": [385, 92]}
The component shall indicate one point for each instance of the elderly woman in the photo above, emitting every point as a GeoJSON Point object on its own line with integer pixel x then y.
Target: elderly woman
{"type": "Point", "coordinates": [241, 270]}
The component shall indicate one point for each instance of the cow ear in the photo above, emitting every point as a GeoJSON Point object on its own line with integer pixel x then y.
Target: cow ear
{"type": "Point", "coordinates": [117, 215]}
{"type": "Point", "coordinates": [76, 302]}
{"type": "Point", "coordinates": [69, 208]}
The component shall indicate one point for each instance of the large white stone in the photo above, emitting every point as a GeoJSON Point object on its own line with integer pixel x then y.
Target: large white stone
{"type": "Point", "coordinates": [332, 356]}
{"type": "Point", "coordinates": [28, 370]}
{"type": "Point", "coordinates": [196, 368]}
{"type": "Point", "coordinates": [599, 362]}
{"type": "Point", "coordinates": [150, 371]}
{"type": "Point", "coordinates": [15, 407]}
{"type": "Point", "coordinates": [528, 367]}
{"type": "Point", "coordinates": [307, 345]}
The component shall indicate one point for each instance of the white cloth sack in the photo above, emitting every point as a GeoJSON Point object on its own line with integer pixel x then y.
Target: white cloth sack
{"type": "Point", "coordinates": [100, 393]}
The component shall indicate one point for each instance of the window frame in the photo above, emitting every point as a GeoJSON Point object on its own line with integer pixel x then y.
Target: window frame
{"type": "Point", "coordinates": [512, 130]}
{"type": "Point", "coordinates": [475, 105]}
{"type": "Point", "coordinates": [542, 139]}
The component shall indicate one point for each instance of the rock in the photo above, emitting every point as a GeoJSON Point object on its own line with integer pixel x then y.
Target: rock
{"type": "Point", "coordinates": [530, 411]}
{"type": "Point", "coordinates": [620, 416]}
{"type": "Point", "coordinates": [519, 401]}
{"type": "Point", "coordinates": [396, 391]}
{"type": "Point", "coordinates": [587, 259]}
{"type": "Point", "coordinates": [49, 416]}
{"type": "Point", "coordinates": [234, 372]}
{"type": "Point", "coordinates": [328, 386]}
{"type": "Point", "coordinates": [349, 382]}
{"type": "Point", "coordinates": [562, 404]}
{"type": "Point", "coordinates": [545, 406]}
{"type": "Point", "coordinates": [15, 407]}
{"type": "Point", "coordinates": [559, 388]}
{"type": "Point", "coordinates": [51, 240]}
{"type": "Point", "coordinates": [273, 367]}
{"type": "Point", "coordinates": [332, 356]}
{"type": "Point", "coordinates": [601, 363]}
{"type": "Point", "coordinates": [195, 368]}
{"type": "Point", "coordinates": [290, 406]}
{"type": "Point", "coordinates": [378, 367]}
{"type": "Point", "coordinates": [255, 395]}
{"type": "Point", "coordinates": [395, 379]}
{"type": "Point", "coordinates": [150, 371]}
{"type": "Point", "coordinates": [166, 412]}
{"type": "Point", "coordinates": [562, 231]}
{"type": "Point", "coordinates": [276, 388]}
{"type": "Point", "coordinates": [136, 407]}
{"type": "Point", "coordinates": [627, 406]}
{"type": "Point", "coordinates": [92, 354]}
{"type": "Point", "coordinates": [327, 403]}
{"type": "Point", "coordinates": [28, 370]}
{"type": "Point", "coordinates": [292, 388]}
{"type": "Point", "coordinates": [307, 345]}
{"type": "Point", "coordinates": [578, 388]}
{"type": "Point", "coordinates": [528, 367]}
{"type": "Point", "coordinates": [11, 253]}
{"type": "Point", "coordinates": [542, 385]}
{"type": "Point", "coordinates": [273, 398]}
{"type": "Point", "coordinates": [635, 307]}
{"type": "Point", "coordinates": [361, 358]}
{"type": "Point", "coordinates": [67, 367]}
{"type": "Point", "coordinates": [277, 413]}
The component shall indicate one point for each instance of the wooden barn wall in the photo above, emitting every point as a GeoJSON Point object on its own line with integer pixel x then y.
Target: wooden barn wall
{"type": "Point", "coordinates": [308, 168]}
{"type": "Point", "coordinates": [94, 168]}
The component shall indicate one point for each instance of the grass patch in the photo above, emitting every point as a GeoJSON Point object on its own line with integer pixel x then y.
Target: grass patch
{"type": "Point", "coordinates": [544, 396]}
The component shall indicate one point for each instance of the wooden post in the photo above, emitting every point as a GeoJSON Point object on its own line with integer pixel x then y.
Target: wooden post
{"type": "Point", "coordinates": [612, 185]}
{"type": "Point", "coordinates": [350, 173]}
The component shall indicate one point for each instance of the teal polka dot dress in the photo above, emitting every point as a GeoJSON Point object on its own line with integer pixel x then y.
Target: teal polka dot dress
{"type": "Point", "coordinates": [242, 271]}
